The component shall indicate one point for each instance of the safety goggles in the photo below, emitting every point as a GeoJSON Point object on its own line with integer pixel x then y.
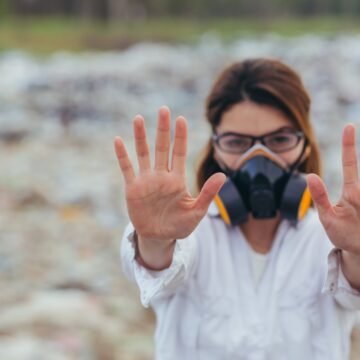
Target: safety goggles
{"type": "Point", "coordinates": [278, 141]}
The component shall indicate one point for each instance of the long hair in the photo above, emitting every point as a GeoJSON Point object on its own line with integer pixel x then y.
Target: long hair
{"type": "Point", "coordinates": [264, 82]}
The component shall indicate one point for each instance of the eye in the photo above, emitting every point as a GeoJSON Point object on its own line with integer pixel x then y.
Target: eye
{"type": "Point", "coordinates": [235, 142]}
{"type": "Point", "coordinates": [282, 141]}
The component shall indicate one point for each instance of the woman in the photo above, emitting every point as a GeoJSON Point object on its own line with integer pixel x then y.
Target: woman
{"type": "Point", "coordinates": [247, 269]}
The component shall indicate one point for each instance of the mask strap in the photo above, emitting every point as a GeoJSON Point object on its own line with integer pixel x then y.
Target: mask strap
{"type": "Point", "coordinates": [228, 171]}
{"type": "Point", "coordinates": [297, 161]}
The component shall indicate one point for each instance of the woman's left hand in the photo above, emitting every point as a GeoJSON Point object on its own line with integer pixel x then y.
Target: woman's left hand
{"type": "Point", "coordinates": [342, 220]}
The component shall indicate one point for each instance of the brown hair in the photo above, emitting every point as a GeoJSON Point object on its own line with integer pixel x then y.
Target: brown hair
{"type": "Point", "coordinates": [265, 82]}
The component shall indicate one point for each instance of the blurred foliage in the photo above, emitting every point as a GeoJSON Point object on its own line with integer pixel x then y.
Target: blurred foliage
{"type": "Point", "coordinates": [108, 9]}
{"type": "Point", "coordinates": [47, 34]}
{"type": "Point", "coordinates": [44, 26]}
{"type": "Point", "coordinates": [4, 8]}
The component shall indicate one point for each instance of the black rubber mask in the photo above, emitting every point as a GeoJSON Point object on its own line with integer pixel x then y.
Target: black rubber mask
{"type": "Point", "coordinates": [262, 187]}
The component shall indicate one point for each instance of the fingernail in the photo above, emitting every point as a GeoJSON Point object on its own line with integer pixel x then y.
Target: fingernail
{"type": "Point", "coordinates": [349, 130]}
{"type": "Point", "coordinates": [164, 108]}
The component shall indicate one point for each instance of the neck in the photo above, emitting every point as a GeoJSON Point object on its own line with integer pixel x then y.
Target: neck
{"type": "Point", "coordinates": [260, 234]}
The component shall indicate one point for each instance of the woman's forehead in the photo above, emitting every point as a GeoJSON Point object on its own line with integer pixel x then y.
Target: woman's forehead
{"type": "Point", "coordinates": [253, 119]}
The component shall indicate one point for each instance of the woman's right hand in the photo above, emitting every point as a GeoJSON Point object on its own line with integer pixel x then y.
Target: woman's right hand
{"type": "Point", "coordinates": [159, 204]}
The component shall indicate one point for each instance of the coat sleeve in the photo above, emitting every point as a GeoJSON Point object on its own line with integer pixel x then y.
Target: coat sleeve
{"type": "Point", "coordinates": [337, 284]}
{"type": "Point", "coordinates": [158, 284]}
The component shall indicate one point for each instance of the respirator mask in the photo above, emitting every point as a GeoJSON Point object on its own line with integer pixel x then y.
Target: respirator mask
{"type": "Point", "coordinates": [262, 184]}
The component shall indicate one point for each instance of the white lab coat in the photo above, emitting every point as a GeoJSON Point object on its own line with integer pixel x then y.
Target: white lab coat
{"type": "Point", "coordinates": [208, 307]}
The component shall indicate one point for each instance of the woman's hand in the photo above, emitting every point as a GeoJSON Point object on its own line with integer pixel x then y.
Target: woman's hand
{"type": "Point", "coordinates": [159, 204]}
{"type": "Point", "coordinates": [342, 220]}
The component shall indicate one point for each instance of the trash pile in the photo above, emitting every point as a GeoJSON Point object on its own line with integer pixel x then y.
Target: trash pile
{"type": "Point", "coordinates": [61, 197]}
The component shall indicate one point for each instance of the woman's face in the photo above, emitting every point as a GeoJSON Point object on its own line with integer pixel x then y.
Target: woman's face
{"type": "Point", "coordinates": [253, 119]}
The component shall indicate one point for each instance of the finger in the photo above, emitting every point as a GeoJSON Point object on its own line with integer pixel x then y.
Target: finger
{"type": "Point", "coordinates": [162, 139]}
{"type": "Point", "coordinates": [209, 190]}
{"type": "Point", "coordinates": [349, 158]}
{"type": "Point", "coordinates": [178, 163]}
{"type": "Point", "coordinates": [124, 161]}
{"type": "Point", "coordinates": [319, 194]}
{"type": "Point", "coordinates": [142, 147]}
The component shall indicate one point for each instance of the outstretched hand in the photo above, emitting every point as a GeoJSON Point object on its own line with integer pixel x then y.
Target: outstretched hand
{"type": "Point", "coordinates": [342, 220]}
{"type": "Point", "coordinates": [158, 201]}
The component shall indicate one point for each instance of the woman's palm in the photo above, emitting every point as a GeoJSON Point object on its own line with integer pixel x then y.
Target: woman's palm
{"type": "Point", "coordinates": [159, 204]}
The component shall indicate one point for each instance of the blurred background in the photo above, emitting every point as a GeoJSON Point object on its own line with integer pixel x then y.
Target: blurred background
{"type": "Point", "coordinates": [73, 73]}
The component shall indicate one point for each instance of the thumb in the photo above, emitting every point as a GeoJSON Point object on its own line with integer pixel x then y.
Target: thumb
{"type": "Point", "coordinates": [209, 190]}
{"type": "Point", "coordinates": [319, 194]}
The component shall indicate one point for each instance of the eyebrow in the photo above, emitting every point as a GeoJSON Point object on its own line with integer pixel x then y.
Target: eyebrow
{"type": "Point", "coordinates": [268, 133]}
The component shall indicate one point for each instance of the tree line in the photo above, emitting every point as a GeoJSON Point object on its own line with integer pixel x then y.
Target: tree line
{"type": "Point", "coordinates": [125, 9]}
